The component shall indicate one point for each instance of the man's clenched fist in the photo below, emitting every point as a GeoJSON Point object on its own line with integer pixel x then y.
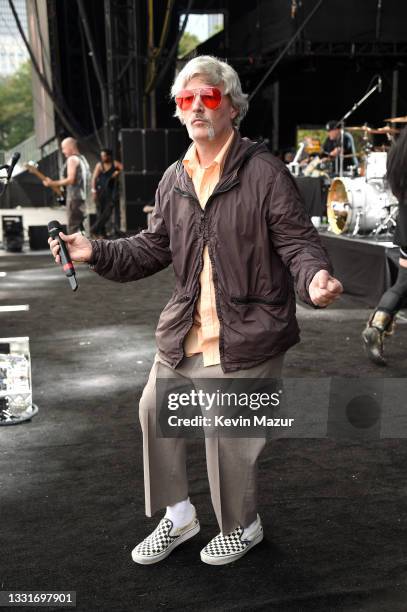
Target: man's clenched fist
{"type": "Point", "coordinates": [324, 288]}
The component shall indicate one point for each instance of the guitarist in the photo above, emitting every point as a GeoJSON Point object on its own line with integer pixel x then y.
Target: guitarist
{"type": "Point", "coordinates": [76, 182]}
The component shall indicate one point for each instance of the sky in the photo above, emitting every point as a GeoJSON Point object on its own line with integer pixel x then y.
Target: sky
{"type": "Point", "coordinates": [198, 25]}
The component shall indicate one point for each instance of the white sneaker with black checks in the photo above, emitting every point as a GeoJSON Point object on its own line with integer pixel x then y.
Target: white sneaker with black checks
{"type": "Point", "coordinates": [223, 549]}
{"type": "Point", "coordinates": [162, 541]}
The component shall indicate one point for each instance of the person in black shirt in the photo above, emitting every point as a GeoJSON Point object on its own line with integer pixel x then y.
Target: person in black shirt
{"type": "Point", "coordinates": [381, 323]}
{"type": "Point", "coordinates": [105, 191]}
{"type": "Point", "coordinates": [332, 147]}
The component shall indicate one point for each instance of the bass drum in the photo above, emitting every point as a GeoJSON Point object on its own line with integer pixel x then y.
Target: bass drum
{"type": "Point", "coordinates": [356, 206]}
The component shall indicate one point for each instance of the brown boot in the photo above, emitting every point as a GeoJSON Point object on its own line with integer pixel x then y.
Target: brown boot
{"type": "Point", "coordinates": [379, 325]}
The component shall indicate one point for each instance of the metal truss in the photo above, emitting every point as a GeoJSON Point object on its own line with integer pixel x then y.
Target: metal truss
{"type": "Point", "coordinates": [123, 72]}
{"type": "Point", "coordinates": [348, 49]}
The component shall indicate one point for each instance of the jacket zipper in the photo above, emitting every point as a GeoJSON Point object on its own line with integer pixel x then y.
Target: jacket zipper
{"type": "Point", "coordinates": [217, 301]}
{"type": "Point", "coordinates": [233, 181]}
{"type": "Point", "coordinates": [192, 307]}
{"type": "Point", "coordinates": [227, 187]}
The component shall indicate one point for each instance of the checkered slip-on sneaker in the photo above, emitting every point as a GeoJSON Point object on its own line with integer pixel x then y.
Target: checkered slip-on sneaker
{"type": "Point", "coordinates": [162, 541]}
{"type": "Point", "coordinates": [224, 549]}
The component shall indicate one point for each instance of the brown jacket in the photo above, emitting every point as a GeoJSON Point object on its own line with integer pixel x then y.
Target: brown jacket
{"type": "Point", "coordinates": [261, 242]}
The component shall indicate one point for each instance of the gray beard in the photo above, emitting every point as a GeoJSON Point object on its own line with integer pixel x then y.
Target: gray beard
{"type": "Point", "coordinates": [210, 129]}
{"type": "Point", "coordinates": [211, 132]}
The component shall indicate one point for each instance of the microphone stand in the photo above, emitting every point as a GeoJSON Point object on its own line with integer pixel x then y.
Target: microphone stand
{"type": "Point", "coordinates": [342, 148]}
{"type": "Point", "coordinates": [294, 165]}
{"type": "Point", "coordinates": [6, 179]}
{"type": "Point", "coordinates": [341, 122]}
{"type": "Point", "coordinates": [9, 168]}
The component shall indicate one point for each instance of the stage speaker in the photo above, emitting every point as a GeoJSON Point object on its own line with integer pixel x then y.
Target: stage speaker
{"type": "Point", "coordinates": [13, 233]}
{"type": "Point", "coordinates": [140, 186]}
{"type": "Point", "coordinates": [138, 190]}
{"type": "Point", "coordinates": [310, 189]}
{"type": "Point", "coordinates": [136, 219]}
{"type": "Point", "coordinates": [155, 159]}
{"type": "Point", "coordinates": [151, 150]}
{"type": "Point", "coordinates": [132, 150]}
{"type": "Point", "coordinates": [355, 409]}
{"type": "Point", "coordinates": [27, 190]}
{"type": "Point", "coordinates": [177, 143]}
{"type": "Point", "coordinates": [38, 236]}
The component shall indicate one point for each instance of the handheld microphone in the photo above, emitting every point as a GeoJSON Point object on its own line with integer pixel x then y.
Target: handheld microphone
{"type": "Point", "coordinates": [379, 83]}
{"type": "Point", "coordinates": [13, 161]}
{"type": "Point", "coordinates": [54, 227]}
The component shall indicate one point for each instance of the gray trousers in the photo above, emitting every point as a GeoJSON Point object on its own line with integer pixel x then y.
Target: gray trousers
{"type": "Point", "coordinates": [231, 462]}
{"type": "Point", "coordinates": [76, 215]}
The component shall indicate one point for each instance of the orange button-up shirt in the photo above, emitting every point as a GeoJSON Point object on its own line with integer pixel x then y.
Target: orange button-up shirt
{"type": "Point", "coordinates": [203, 336]}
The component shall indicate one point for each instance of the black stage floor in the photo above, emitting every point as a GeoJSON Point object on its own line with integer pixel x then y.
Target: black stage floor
{"type": "Point", "coordinates": [71, 487]}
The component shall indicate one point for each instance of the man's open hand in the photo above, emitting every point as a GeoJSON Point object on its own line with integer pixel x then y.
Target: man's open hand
{"type": "Point", "coordinates": [324, 288]}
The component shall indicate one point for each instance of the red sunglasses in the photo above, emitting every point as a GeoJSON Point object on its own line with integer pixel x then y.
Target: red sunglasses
{"type": "Point", "coordinates": [211, 97]}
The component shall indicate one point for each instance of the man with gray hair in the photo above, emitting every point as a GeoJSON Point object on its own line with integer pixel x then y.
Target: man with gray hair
{"type": "Point", "coordinates": [229, 218]}
{"type": "Point", "coordinates": [76, 183]}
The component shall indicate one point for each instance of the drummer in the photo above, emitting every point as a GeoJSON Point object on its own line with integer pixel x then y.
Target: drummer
{"type": "Point", "coordinates": [332, 148]}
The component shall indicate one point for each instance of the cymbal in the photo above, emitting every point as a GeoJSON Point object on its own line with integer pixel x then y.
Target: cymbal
{"type": "Point", "coordinates": [397, 119]}
{"type": "Point", "coordinates": [363, 128]}
{"type": "Point", "coordinates": [385, 130]}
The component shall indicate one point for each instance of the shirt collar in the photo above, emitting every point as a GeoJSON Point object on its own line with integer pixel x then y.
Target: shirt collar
{"type": "Point", "coordinates": [191, 161]}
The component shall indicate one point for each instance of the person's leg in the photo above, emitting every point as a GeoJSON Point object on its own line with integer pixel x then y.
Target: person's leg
{"type": "Point", "coordinates": [181, 513]}
{"type": "Point", "coordinates": [232, 471]}
{"type": "Point", "coordinates": [117, 215]}
{"type": "Point", "coordinates": [75, 211]}
{"type": "Point", "coordinates": [70, 221]}
{"type": "Point", "coordinates": [116, 208]}
{"type": "Point", "coordinates": [98, 228]}
{"type": "Point", "coordinates": [164, 459]}
{"type": "Point", "coordinates": [381, 322]}
{"type": "Point", "coordinates": [165, 480]}
{"type": "Point", "coordinates": [232, 462]}
{"type": "Point", "coordinates": [108, 214]}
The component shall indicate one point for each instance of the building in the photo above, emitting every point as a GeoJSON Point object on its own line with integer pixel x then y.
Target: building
{"type": "Point", "coordinates": [12, 50]}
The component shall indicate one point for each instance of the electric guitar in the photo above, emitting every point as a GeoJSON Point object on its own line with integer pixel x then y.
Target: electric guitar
{"type": "Point", "coordinates": [32, 169]}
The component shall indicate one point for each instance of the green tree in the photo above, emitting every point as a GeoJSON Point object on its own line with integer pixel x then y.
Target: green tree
{"type": "Point", "coordinates": [16, 107]}
{"type": "Point", "coordinates": [218, 28]}
{"type": "Point", "coordinates": [187, 44]}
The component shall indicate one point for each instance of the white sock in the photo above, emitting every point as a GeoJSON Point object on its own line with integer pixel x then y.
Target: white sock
{"type": "Point", "coordinates": [250, 530]}
{"type": "Point", "coordinates": [181, 513]}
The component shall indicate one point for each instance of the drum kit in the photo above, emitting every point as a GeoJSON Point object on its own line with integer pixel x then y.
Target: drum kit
{"type": "Point", "coordinates": [359, 201]}
{"type": "Point", "coordinates": [364, 204]}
